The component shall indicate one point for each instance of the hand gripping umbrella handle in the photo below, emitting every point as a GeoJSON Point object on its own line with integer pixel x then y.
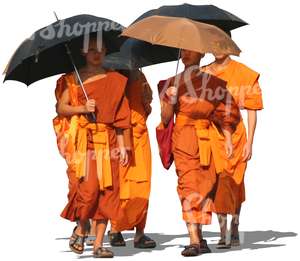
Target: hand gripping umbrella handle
{"type": "Point", "coordinates": [91, 116]}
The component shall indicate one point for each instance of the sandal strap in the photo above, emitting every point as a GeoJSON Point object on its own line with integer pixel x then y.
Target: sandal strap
{"type": "Point", "coordinates": [79, 240]}
{"type": "Point", "coordinates": [191, 250]}
{"type": "Point", "coordinates": [73, 232]}
{"type": "Point", "coordinates": [235, 237]}
{"type": "Point", "coordinates": [192, 246]}
{"type": "Point", "coordinates": [145, 239]}
{"type": "Point", "coordinates": [102, 250]}
{"type": "Point", "coordinates": [116, 237]}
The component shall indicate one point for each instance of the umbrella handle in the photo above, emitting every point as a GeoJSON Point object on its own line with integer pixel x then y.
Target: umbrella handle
{"type": "Point", "coordinates": [91, 117]}
{"type": "Point", "coordinates": [174, 99]}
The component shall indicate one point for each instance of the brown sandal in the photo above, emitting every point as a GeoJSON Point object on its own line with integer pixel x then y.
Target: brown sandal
{"type": "Point", "coordinates": [102, 252]}
{"type": "Point", "coordinates": [235, 241]}
{"type": "Point", "coordinates": [78, 245]}
{"type": "Point", "coordinates": [191, 250]}
{"type": "Point", "coordinates": [145, 242]}
{"type": "Point", "coordinates": [222, 244]}
{"type": "Point", "coordinates": [73, 237]}
{"type": "Point", "coordinates": [90, 240]}
{"type": "Point", "coordinates": [116, 239]}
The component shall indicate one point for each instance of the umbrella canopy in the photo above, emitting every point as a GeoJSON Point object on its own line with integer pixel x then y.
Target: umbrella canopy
{"type": "Point", "coordinates": [137, 54]}
{"type": "Point", "coordinates": [182, 33]}
{"type": "Point", "coordinates": [44, 54]}
{"type": "Point", "coordinates": [203, 13]}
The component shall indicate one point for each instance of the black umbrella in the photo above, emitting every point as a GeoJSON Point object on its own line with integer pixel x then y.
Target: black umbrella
{"type": "Point", "coordinates": [44, 54]}
{"type": "Point", "coordinates": [137, 54]}
{"type": "Point", "coordinates": [203, 13]}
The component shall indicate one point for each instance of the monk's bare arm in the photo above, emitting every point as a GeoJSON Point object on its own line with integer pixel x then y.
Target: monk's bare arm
{"type": "Point", "coordinates": [228, 143]}
{"type": "Point", "coordinates": [167, 108]}
{"type": "Point", "coordinates": [252, 119]}
{"type": "Point", "coordinates": [167, 111]}
{"type": "Point", "coordinates": [65, 109]}
{"type": "Point", "coordinates": [121, 143]}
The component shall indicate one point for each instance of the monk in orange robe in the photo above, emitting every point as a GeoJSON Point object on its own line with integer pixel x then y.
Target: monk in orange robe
{"type": "Point", "coordinates": [198, 100]}
{"type": "Point", "coordinates": [62, 126]}
{"type": "Point", "coordinates": [242, 83]}
{"type": "Point", "coordinates": [99, 146]}
{"type": "Point", "coordinates": [135, 178]}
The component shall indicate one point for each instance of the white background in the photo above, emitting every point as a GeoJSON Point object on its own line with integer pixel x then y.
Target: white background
{"type": "Point", "coordinates": [33, 181]}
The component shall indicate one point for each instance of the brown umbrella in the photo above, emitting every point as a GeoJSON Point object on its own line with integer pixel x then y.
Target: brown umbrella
{"type": "Point", "coordinates": [182, 33]}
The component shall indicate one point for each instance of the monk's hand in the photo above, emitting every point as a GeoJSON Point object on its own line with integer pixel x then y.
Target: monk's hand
{"type": "Point", "coordinates": [228, 144]}
{"type": "Point", "coordinates": [90, 106]}
{"type": "Point", "coordinates": [123, 157]}
{"type": "Point", "coordinates": [247, 151]}
{"type": "Point", "coordinates": [171, 93]}
{"type": "Point", "coordinates": [228, 148]}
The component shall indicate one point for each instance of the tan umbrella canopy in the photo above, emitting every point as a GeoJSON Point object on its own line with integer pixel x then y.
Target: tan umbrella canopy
{"type": "Point", "coordinates": [182, 33]}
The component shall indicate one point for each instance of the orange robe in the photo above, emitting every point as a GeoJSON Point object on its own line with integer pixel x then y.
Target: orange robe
{"type": "Point", "coordinates": [135, 179]}
{"type": "Point", "coordinates": [65, 130]}
{"type": "Point", "coordinates": [94, 159]}
{"type": "Point", "coordinates": [242, 83]}
{"type": "Point", "coordinates": [192, 145]}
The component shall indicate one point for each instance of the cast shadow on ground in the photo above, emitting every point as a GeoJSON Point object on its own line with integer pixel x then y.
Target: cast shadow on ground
{"type": "Point", "coordinates": [249, 240]}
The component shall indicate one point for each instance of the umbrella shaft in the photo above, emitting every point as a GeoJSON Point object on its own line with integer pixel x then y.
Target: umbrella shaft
{"type": "Point", "coordinates": [74, 66]}
{"type": "Point", "coordinates": [174, 99]}
{"type": "Point", "coordinates": [178, 58]}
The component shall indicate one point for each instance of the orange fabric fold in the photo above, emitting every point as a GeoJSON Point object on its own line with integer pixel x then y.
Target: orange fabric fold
{"type": "Point", "coordinates": [135, 179]}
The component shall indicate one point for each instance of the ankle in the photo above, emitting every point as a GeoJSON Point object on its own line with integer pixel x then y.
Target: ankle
{"type": "Point", "coordinates": [80, 232]}
{"type": "Point", "coordinates": [195, 242]}
{"type": "Point", "coordinates": [97, 244]}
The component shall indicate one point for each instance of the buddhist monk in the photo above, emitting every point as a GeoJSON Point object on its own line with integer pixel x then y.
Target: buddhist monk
{"type": "Point", "coordinates": [242, 83]}
{"type": "Point", "coordinates": [98, 142]}
{"type": "Point", "coordinates": [135, 178]}
{"type": "Point", "coordinates": [198, 100]}
{"type": "Point", "coordinates": [64, 129]}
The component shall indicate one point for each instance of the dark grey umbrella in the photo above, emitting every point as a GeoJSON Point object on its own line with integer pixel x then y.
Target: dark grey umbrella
{"type": "Point", "coordinates": [44, 54]}
{"type": "Point", "coordinates": [209, 14]}
{"type": "Point", "coordinates": [137, 54]}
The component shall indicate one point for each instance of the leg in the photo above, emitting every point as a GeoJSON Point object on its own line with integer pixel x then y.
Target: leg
{"type": "Point", "coordinates": [223, 242]}
{"type": "Point", "coordinates": [92, 233]}
{"type": "Point", "coordinates": [86, 204]}
{"type": "Point", "coordinates": [222, 218]}
{"type": "Point", "coordinates": [234, 228]}
{"type": "Point", "coordinates": [204, 249]}
{"type": "Point", "coordinates": [140, 239]}
{"type": "Point", "coordinates": [76, 243]}
{"type": "Point", "coordinates": [99, 250]}
{"type": "Point", "coordinates": [100, 231]}
{"type": "Point", "coordinates": [115, 236]}
{"type": "Point", "coordinates": [194, 233]}
{"type": "Point", "coordinates": [194, 248]}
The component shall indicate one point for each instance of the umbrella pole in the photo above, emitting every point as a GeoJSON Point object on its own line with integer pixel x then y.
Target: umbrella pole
{"type": "Point", "coordinates": [174, 99]}
{"type": "Point", "coordinates": [178, 58]}
{"type": "Point", "coordinates": [76, 71]}
{"type": "Point", "coordinates": [93, 116]}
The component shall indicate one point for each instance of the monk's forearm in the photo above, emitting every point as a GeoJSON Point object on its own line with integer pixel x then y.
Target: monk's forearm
{"type": "Point", "coordinates": [252, 119]}
{"type": "Point", "coordinates": [120, 138]}
{"type": "Point", "coordinates": [167, 112]}
{"type": "Point", "coordinates": [227, 135]}
{"type": "Point", "coordinates": [68, 110]}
